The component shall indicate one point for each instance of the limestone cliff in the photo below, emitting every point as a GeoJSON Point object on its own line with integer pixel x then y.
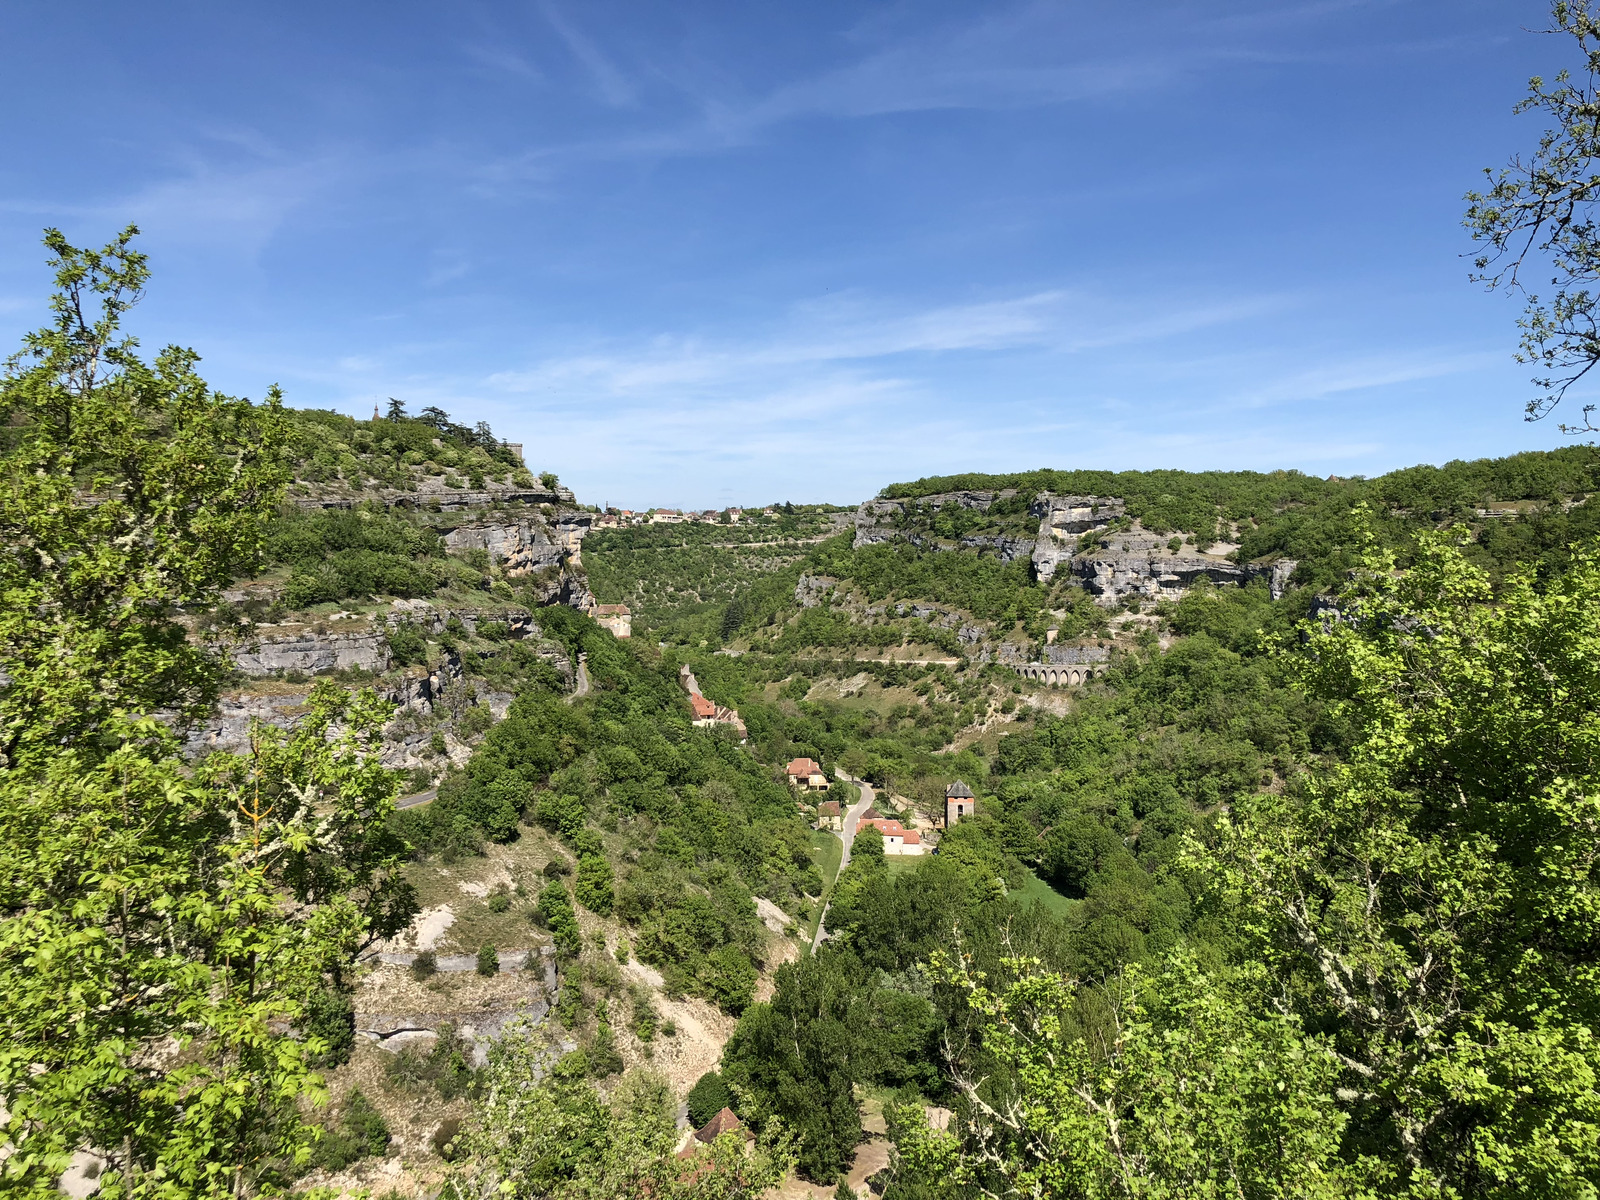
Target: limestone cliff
{"type": "Point", "coordinates": [1127, 561]}
{"type": "Point", "coordinates": [1062, 521]}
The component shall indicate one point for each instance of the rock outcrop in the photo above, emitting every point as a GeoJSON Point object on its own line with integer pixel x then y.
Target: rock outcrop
{"type": "Point", "coordinates": [1127, 561]}
{"type": "Point", "coordinates": [434, 494]}
{"type": "Point", "coordinates": [1062, 521]}
{"type": "Point", "coordinates": [881, 521]}
{"type": "Point", "coordinates": [810, 590]}
{"type": "Point", "coordinates": [527, 544]}
{"type": "Point", "coordinates": [1137, 563]}
{"type": "Point", "coordinates": [311, 653]}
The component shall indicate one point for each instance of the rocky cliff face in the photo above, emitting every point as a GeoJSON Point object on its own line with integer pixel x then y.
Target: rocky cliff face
{"type": "Point", "coordinates": [431, 493]}
{"type": "Point", "coordinates": [427, 697]}
{"type": "Point", "coordinates": [881, 521]}
{"type": "Point", "coordinates": [1137, 563]}
{"type": "Point", "coordinates": [1062, 521]}
{"type": "Point", "coordinates": [526, 544]}
{"type": "Point", "coordinates": [309, 652]}
{"type": "Point", "coordinates": [1124, 563]}
{"type": "Point", "coordinates": [546, 550]}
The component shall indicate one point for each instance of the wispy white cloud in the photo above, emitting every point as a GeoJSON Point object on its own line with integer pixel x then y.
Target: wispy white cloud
{"type": "Point", "coordinates": [1361, 373]}
{"type": "Point", "coordinates": [854, 330]}
{"type": "Point", "coordinates": [612, 85]}
{"type": "Point", "coordinates": [501, 59]}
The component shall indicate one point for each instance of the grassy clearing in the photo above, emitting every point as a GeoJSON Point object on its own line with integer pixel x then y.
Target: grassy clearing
{"type": "Point", "coordinates": [826, 851]}
{"type": "Point", "coordinates": [1038, 891]}
{"type": "Point", "coordinates": [465, 884]}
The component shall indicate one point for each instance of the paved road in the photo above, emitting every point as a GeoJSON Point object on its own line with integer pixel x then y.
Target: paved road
{"type": "Point", "coordinates": [417, 798]}
{"type": "Point", "coordinates": [852, 819]}
{"type": "Point", "coordinates": [582, 689]}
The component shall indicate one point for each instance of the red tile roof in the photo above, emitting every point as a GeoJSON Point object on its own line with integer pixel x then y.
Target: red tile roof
{"type": "Point", "coordinates": [892, 828]}
{"type": "Point", "coordinates": [804, 766]}
{"type": "Point", "coordinates": [828, 808]}
{"type": "Point", "coordinates": [611, 610]}
{"type": "Point", "coordinates": [703, 708]}
{"type": "Point", "coordinates": [723, 1122]}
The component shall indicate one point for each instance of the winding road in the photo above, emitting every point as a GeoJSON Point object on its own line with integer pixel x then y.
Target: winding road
{"type": "Point", "coordinates": [852, 819]}
{"type": "Point", "coordinates": [581, 687]}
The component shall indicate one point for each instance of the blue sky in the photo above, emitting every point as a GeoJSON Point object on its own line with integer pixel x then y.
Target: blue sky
{"type": "Point", "coordinates": [694, 254]}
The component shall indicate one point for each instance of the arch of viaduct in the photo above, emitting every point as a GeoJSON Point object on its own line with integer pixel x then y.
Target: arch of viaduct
{"type": "Point", "coordinates": [1052, 675]}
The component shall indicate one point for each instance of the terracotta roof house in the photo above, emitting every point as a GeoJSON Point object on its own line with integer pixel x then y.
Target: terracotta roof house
{"type": "Point", "coordinates": [723, 1122]}
{"type": "Point", "coordinates": [807, 773]}
{"type": "Point", "coordinates": [958, 802]}
{"type": "Point", "coordinates": [707, 713]}
{"type": "Point", "coordinates": [830, 815]}
{"type": "Point", "coordinates": [897, 839]}
{"type": "Point", "coordinates": [614, 617]}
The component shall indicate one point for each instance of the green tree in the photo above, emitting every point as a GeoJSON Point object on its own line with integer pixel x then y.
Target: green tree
{"type": "Point", "coordinates": [160, 926]}
{"type": "Point", "coordinates": [1401, 989]}
{"type": "Point", "coordinates": [792, 1060]}
{"type": "Point", "coordinates": [488, 959]}
{"type": "Point", "coordinates": [594, 886]}
{"type": "Point", "coordinates": [1430, 901]}
{"type": "Point", "coordinates": [554, 911]}
{"type": "Point", "coordinates": [867, 848]}
{"type": "Point", "coordinates": [130, 491]}
{"type": "Point", "coordinates": [1538, 215]}
{"type": "Point", "coordinates": [1197, 1090]}
{"type": "Point", "coordinates": [541, 1130]}
{"type": "Point", "coordinates": [708, 1097]}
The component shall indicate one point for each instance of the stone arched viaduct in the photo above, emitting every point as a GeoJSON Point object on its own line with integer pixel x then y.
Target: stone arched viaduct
{"type": "Point", "coordinates": [1052, 675]}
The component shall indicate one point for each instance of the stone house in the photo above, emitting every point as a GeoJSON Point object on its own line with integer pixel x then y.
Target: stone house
{"type": "Point", "coordinates": [616, 618]}
{"type": "Point", "coordinates": [807, 774]}
{"type": "Point", "coordinates": [959, 802]}
{"type": "Point", "coordinates": [830, 816]}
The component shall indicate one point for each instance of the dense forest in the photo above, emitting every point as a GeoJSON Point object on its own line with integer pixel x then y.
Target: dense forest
{"type": "Point", "coordinates": [1294, 896]}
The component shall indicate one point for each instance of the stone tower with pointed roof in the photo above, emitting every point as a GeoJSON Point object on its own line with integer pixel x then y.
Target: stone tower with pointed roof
{"type": "Point", "coordinates": [958, 802]}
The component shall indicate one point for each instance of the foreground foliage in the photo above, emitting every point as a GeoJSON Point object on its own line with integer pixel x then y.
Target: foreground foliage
{"type": "Point", "coordinates": [163, 930]}
{"type": "Point", "coordinates": [1401, 997]}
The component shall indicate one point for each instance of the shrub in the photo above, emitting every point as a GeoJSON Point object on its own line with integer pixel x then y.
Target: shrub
{"type": "Point", "coordinates": [709, 1096]}
{"type": "Point", "coordinates": [363, 1133]}
{"type": "Point", "coordinates": [330, 1016]}
{"type": "Point", "coordinates": [594, 888]}
{"type": "Point", "coordinates": [366, 1124]}
{"type": "Point", "coordinates": [554, 911]}
{"type": "Point", "coordinates": [444, 1138]}
{"type": "Point", "coordinates": [424, 966]}
{"type": "Point", "coordinates": [446, 1065]}
{"type": "Point", "coordinates": [556, 868]}
{"type": "Point", "coordinates": [499, 900]}
{"type": "Point", "coordinates": [488, 959]}
{"type": "Point", "coordinates": [407, 646]}
{"type": "Point", "coordinates": [645, 1017]}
